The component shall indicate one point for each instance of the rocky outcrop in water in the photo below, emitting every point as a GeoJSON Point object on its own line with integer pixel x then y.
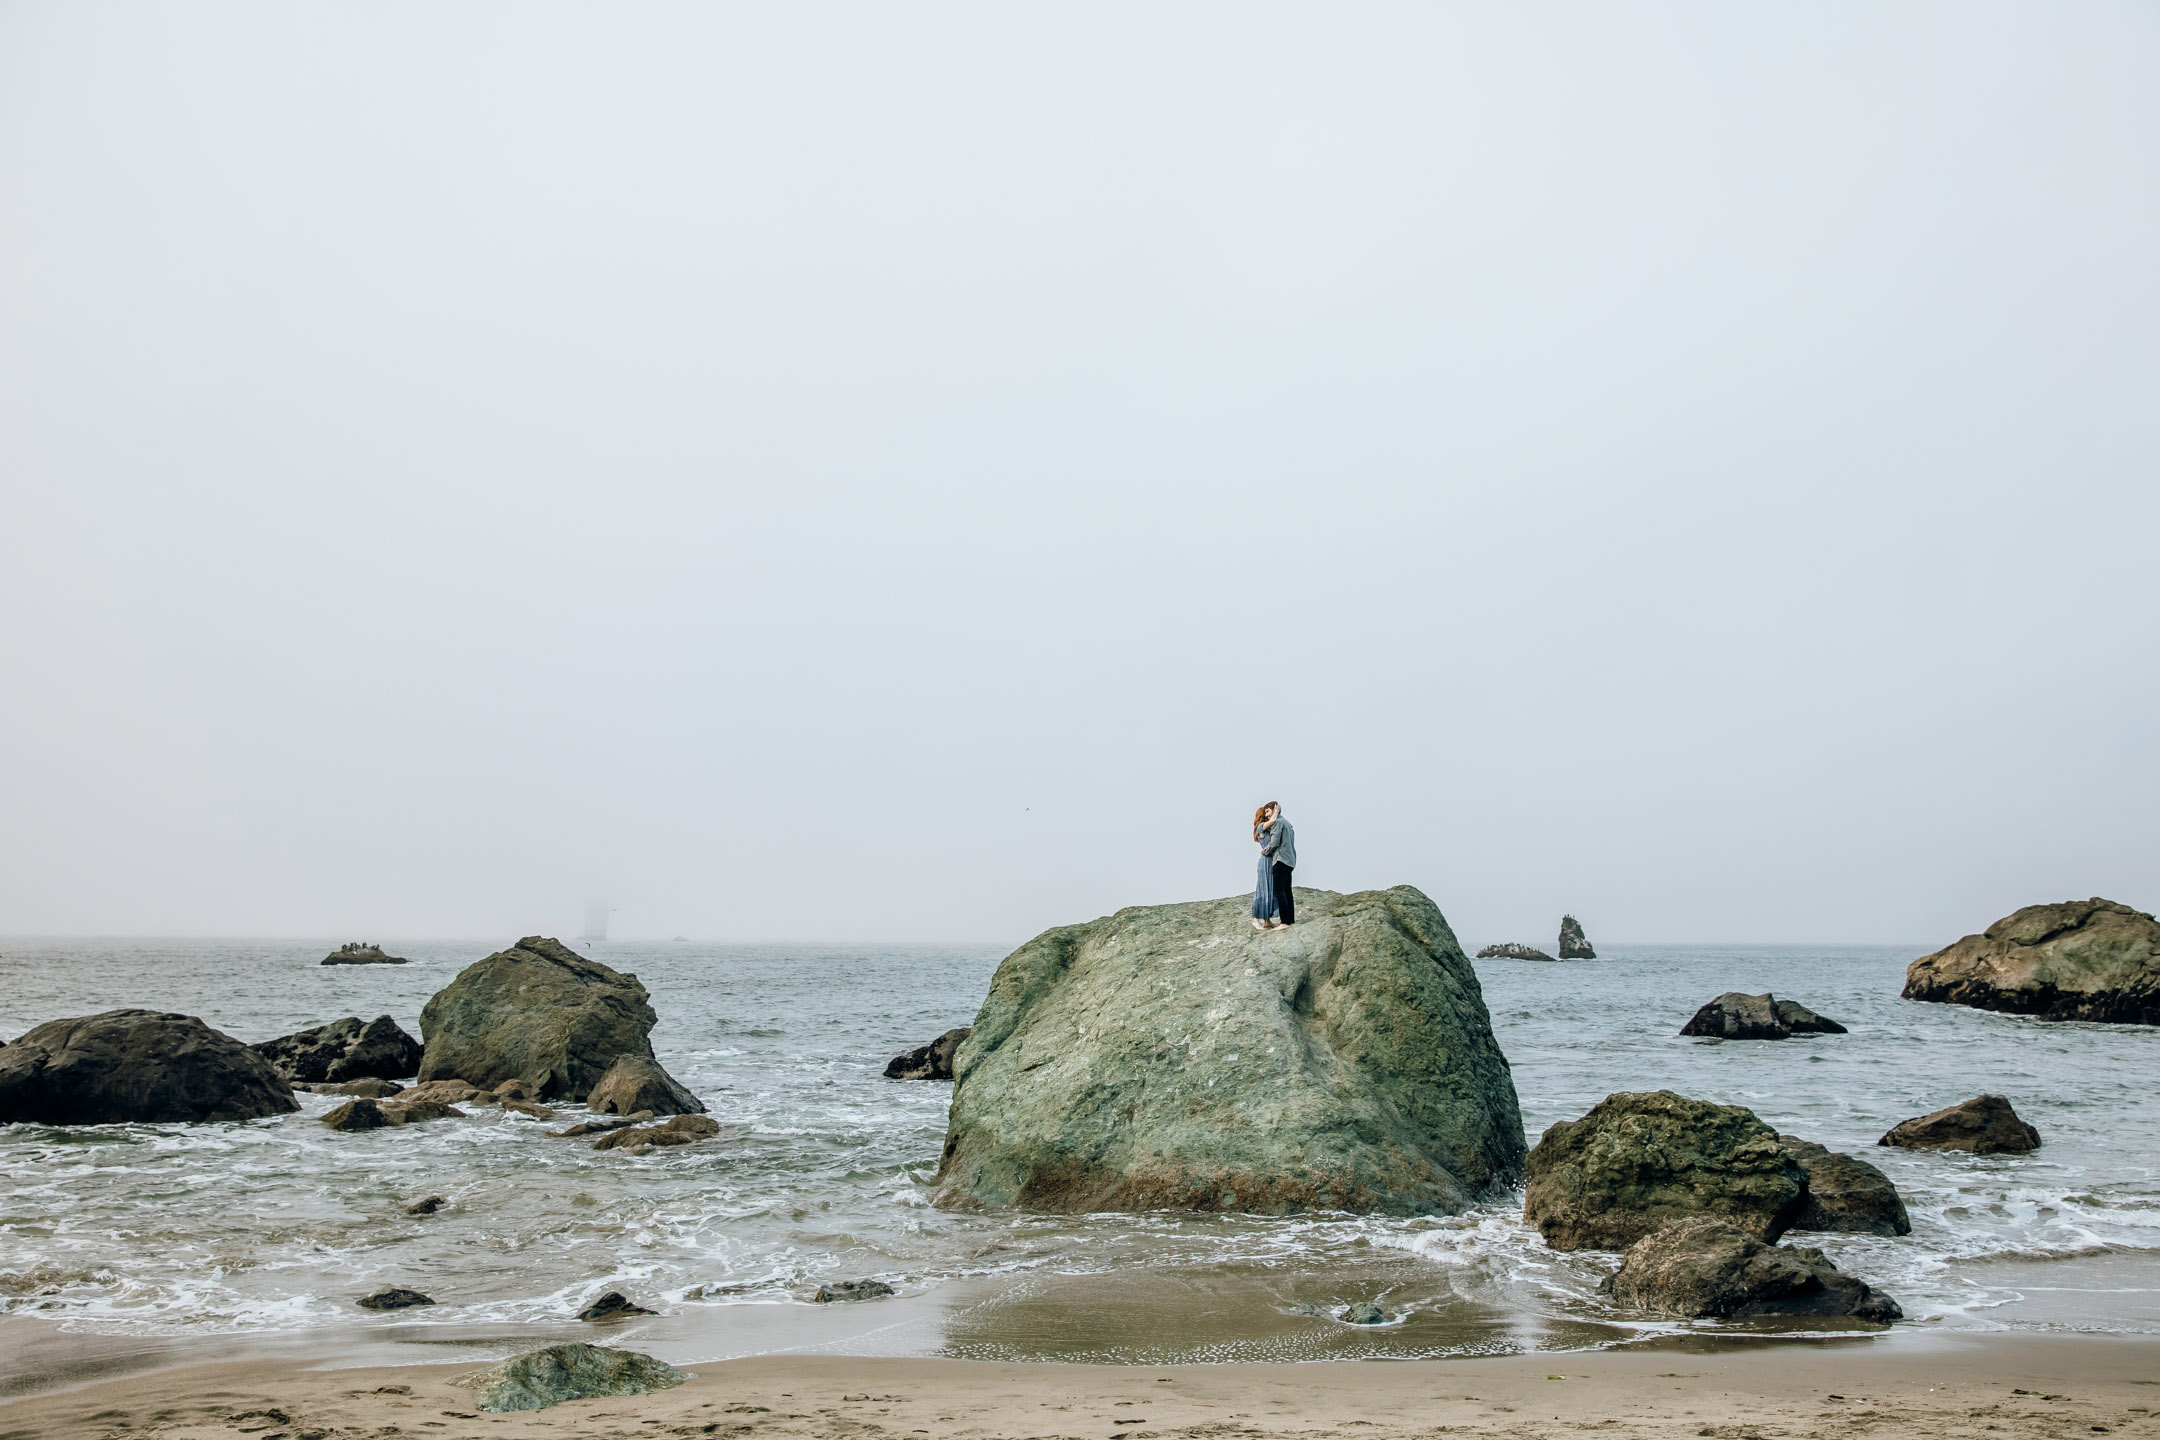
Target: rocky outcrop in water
{"type": "Point", "coordinates": [1737, 1016]}
{"type": "Point", "coordinates": [637, 1139]}
{"type": "Point", "coordinates": [1511, 951]}
{"type": "Point", "coordinates": [1574, 945]}
{"type": "Point", "coordinates": [1169, 1056]}
{"type": "Point", "coordinates": [1706, 1268]}
{"type": "Point", "coordinates": [1640, 1161]}
{"type": "Point", "coordinates": [344, 1050]}
{"type": "Point", "coordinates": [140, 1066]}
{"type": "Point", "coordinates": [393, 1299]}
{"type": "Point", "coordinates": [636, 1082]}
{"type": "Point", "coordinates": [612, 1306]}
{"type": "Point", "coordinates": [366, 1114]}
{"type": "Point", "coordinates": [2079, 960]}
{"type": "Point", "coordinates": [540, 1378]}
{"type": "Point", "coordinates": [1985, 1125]}
{"type": "Point", "coordinates": [1845, 1194]}
{"type": "Point", "coordinates": [356, 953]}
{"type": "Point", "coordinates": [933, 1061]}
{"type": "Point", "coordinates": [539, 1012]}
{"type": "Point", "coordinates": [852, 1290]}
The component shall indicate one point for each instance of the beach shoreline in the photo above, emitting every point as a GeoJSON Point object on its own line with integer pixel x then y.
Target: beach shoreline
{"type": "Point", "coordinates": [1913, 1384]}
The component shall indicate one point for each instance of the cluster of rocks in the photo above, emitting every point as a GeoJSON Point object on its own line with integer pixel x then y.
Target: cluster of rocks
{"type": "Point", "coordinates": [1574, 945]}
{"type": "Point", "coordinates": [1511, 951]}
{"type": "Point", "coordinates": [355, 952]}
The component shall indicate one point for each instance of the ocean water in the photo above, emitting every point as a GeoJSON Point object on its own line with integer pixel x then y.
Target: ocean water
{"type": "Point", "coordinates": [240, 1232]}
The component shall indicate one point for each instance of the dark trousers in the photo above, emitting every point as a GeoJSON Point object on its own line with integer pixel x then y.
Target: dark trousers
{"type": "Point", "coordinates": [1285, 907]}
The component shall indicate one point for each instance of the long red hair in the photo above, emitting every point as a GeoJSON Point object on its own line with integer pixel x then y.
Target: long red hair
{"type": "Point", "coordinates": [1259, 818]}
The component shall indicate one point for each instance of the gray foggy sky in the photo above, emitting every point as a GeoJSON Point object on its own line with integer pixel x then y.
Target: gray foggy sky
{"type": "Point", "coordinates": [837, 471]}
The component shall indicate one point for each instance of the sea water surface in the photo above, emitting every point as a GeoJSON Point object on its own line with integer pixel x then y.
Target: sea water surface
{"type": "Point", "coordinates": [233, 1234]}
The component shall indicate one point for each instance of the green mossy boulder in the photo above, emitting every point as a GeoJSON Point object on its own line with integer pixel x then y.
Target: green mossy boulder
{"type": "Point", "coordinates": [539, 1012]}
{"type": "Point", "coordinates": [540, 1378]}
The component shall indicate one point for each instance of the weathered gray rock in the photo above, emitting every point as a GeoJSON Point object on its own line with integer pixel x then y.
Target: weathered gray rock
{"type": "Point", "coordinates": [1705, 1268]}
{"type": "Point", "coordinates": [444, 1092]}
{"type": "Point", "coordinates": [393, 1299]}
{"type": "Point", "coordinates": [366, 1114]}
{"type": "Point", "coordinates": [355, 953]}
{"type": "Point", "coordinates": [1985, 1125]}
{"type": "Point", "coordinates": [612, 1306]}
{"type": "Point", "coordinates": [1640, 1161]}
{"type": "Point", "coordinates": [1170, 1056]}
{"type": "Point", "coordinates": [933, 1061]}
{"type": "Point", "coordinates": [537, 1011]}
{"type": "Point", "coordinates": [852, 1290]}
{"type": "Point", "coordinates": [1574, 945]}
{"type": "Point", "coordinates": [372, 1089]}
{"type": "Point", "coordinates": [140, 1066]}
{"type": "Point", "coordinates": [682, 1130]}
{"type": "Point", "coordinates": [1365, 1312]}
{"type": "Point", "coordinates": [636, 1082]}
{"type": "Point", "coordinates": [344, 1050]}
{"type": "Point", "coordinates": [1737, 1016]}
{"type": "Point", "coordinates": [1511, 951]}
{"type": "Point", "coordinates": [1845, 1193]}
{"type": "Point", "coordinates": [2079, 960]}
{"type": "Point", "coordinates": [541, 1378]}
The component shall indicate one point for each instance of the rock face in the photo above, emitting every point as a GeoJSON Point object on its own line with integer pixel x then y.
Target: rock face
{"type": "Point", "coordinates": [1737, 1016]}
{"type": "Point", "coordinates": [1845, 1194]}
{"type": "Point", "coordinates": [1704, 1268]}
{"type": "Point", "coordinates": [933, 1061]}
{"type": "Point", "coordinates": [1574, 945]}
{"type": "Point", "coordinates": [1639, 1161]}
{"type": "Point", "coordinates": [355, 953]}
{"type": "Point", "coordinates": [537, 1012]}
{"type": "Point", "coordinates": [2079, 960]}
{"type": "Point", "coordinates": [1169, 1056]}
{"type": "Point", "coordinates": [636, 1082]}
{"type": "Point", "coordinates": [541, 1378]}
{"type": "Point", "coordinates": [344, 1050]}
{"type": "Point", "coordinates": [1511, 952]}
{"type": "Point", "coordinates": [1985, 1125]}
{"type": "Point", "coordinates": [140, 1066]}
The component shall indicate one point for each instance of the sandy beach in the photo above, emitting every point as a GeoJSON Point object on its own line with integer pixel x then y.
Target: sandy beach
{"type": "Point", "coordinates": [1997, 1384]}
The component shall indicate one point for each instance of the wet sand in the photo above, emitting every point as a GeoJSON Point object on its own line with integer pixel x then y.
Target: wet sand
{"type": "Point", "coordinates": [1984, 1385]}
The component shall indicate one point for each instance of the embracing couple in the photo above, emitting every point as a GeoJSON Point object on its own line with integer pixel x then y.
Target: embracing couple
{"type": "Point", "coordinates": [1272, 907]}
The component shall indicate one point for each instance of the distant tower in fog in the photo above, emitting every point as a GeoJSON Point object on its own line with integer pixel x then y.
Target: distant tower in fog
{"type": "Point", "coordinates": [596, 913]}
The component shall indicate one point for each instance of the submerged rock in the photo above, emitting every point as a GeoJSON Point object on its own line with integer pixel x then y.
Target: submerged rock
{"type": "Point", "coordinates": [136, 1066]}
{"type": "Point", "coordinates": [344, 1050]}
{"type": "Point", "coordinates": [355, 953]}
{"type": "Point", "coordinates": [2078, 960]}
{"type": "Point", "coordinates": [852, 1290]}
{"type": "Point", "coordinates": [1574, 945]}
{"type": "Point", "coordinates": [1845, 1193]}
{"type": "Point", "coordinates": [537, 1011]}
{"type": "Point", "coordinates": [541, 1378]}
{"type": "Point", "coordinates": [1511, 952]}
{"type": "Point", "coordinates": [933, 1061]}
{"type": "Point", "coordinates": [1705, 1268]}
{"type": "Point", "coordinates": [612, 1306]}
{"type": "Point", "coordinates": [1169, 1056]}
{"type": "Point", "coordinates": [636, 1082]}
{"type": "Point", "coordinates": [1639, 1161]}
{"type": "Point", "coordinates": [366, 1114]}
{"type": "Point", "coordinates": [393, 1299]}
{"type": "Point", "coordinates": [427, 1206]}
{"type": "Point", "coordinates": [372, 1089]}
{"type": "Point", "coordinates": [682, 1130]}
{"type": "Point", "coordinates": [1985, 1125]}
{"type": "Point", "coordinates": [1738, 1016]}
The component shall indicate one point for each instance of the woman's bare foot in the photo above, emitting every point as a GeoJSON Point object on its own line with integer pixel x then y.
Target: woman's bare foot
{"type": "Point", "coordinates": [1259, 925]}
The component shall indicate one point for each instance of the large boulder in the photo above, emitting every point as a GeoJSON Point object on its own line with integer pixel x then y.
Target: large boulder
{"type": "Point", "coordinates": [538, 1012]}
{"type": "Point", "coordinates": [933, 1061]}
{"type": "Point", "coordinates": [143, 1066]}
{"type": "Point", "coordinates": [1844, 1193]}
{"type": "Point", "coordinates": [344, 1050]}
{"type": "Point", "coordinates": [1705, 1268]}
{"type": "Point", "coordinates": [540, 1378]}
{"type": "Point", "coordinates": [2079, 960]}
{"type": "Point", "coordinates": [1985, 1125]}
{"type": "Point", "coordinates": [636, 1082]}
{"type": "Point", "coordinates": [1574, 945]}
{"type": "Point", "coordinates": [1639, 1161]}
{"type": "Point", "coordinates": [1738, 1016]}
{"type": "Point", "coordinates": [1169, 1056]}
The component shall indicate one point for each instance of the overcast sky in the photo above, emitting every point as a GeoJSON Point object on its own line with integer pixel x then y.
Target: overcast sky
{"type": "Point", "coordinates": [929, 471]}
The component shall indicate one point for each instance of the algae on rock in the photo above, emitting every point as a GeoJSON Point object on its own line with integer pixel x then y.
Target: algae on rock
{"type": "Point", "coordinates": [1169, 1056]}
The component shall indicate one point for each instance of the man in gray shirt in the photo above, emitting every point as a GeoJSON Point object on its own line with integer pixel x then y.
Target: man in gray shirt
{"type": "Point", "coordinates": [1279, 844]}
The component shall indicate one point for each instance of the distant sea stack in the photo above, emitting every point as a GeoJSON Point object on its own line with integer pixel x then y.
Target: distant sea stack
{"type": "Point", "coordinates": [1574, 945]}
{"type": "Point", "coordinates": [355, 952]}
{"type": "Point", "coordinates": [1170, 1057]}
{"type": "Point", "coordinates": [1511, 952]}
{"type": "Point", "coordinates": [2077, 960]}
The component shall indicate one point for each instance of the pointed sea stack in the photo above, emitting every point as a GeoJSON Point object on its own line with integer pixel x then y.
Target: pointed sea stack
{"type": "Point", "coordinates": [1574, 945]}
